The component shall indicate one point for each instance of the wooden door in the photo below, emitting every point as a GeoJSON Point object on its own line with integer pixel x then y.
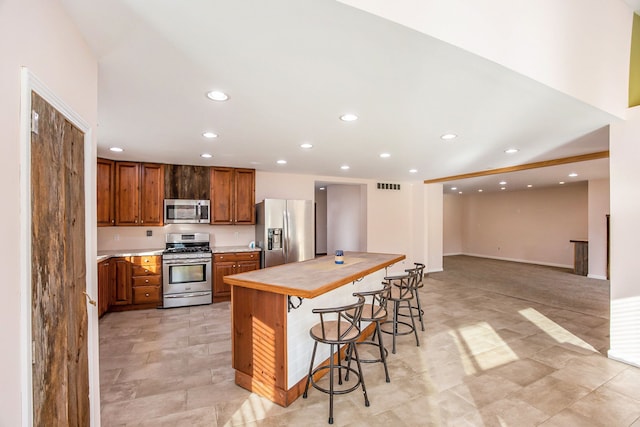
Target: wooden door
{"type": "Point", "coordinates": [221, 269]}
{"type": "Point", "coordinates": [58, 271]}
{"type": "Point", "coordinates": [120, 281]}
{"type": "Point", "coordinates": [151, 194]}
{"type": "Point", "coordinates": [221, 195]}
{"type": "Point", "coordinates": [127, 196]}
{"type": "Point", "coordinates": [245, 196]}
{"type": "Point", "coordinates": [105, 192]}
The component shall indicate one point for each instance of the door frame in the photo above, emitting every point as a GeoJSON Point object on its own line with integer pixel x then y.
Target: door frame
{"type": "Point", "coordinates": [29, 83]}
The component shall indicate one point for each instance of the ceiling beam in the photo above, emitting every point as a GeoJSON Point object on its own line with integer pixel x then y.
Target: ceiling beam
{"type": "Point", "coordinates": [526, 166]}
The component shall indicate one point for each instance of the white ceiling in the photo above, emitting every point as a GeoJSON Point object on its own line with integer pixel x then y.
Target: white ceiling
{"type": "Point", "coordinates": [292, 67]}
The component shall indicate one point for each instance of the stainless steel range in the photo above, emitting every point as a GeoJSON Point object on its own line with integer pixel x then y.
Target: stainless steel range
{"type": "Point", "coordinates": [186, 270]}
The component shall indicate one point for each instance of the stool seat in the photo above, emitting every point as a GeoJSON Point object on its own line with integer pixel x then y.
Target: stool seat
{"type": "Point", "coordinates": [371, 312]}
{"type": "Point", "coordinates": [334, 331]}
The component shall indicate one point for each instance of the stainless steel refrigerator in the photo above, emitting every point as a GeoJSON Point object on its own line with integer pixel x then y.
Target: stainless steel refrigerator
{"type": "Point", "coordinates": [284, 231]}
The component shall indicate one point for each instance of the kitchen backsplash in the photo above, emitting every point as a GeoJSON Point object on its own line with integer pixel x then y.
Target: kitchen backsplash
{"type": "Point", "coordinates": [115, 238]}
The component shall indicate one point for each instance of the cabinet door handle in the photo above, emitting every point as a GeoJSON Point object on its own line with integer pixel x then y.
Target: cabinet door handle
{"type": "Point", "coordinates": [147, 294]}
{"type": "Point", "coordinates": [147, 281]}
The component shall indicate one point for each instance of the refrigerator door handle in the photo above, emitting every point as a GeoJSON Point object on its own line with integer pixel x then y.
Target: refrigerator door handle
{"type": "Point", "coordinates": [285, 234]}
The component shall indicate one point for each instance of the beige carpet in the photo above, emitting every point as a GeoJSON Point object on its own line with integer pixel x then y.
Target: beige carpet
{"type": "Point", "coordinates": [552, 286]}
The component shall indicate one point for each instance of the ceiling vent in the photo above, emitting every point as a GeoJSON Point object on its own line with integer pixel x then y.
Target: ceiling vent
{"type": "Point", "coordinates": [387, 186]}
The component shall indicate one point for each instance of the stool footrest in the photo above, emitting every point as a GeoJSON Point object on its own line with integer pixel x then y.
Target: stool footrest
{"type": "Point", "coordinates": [339, 369]}
{"type": "Point", "coordinates": [404, 324]}
{"type": "Point", "coordinates": [375, 344]}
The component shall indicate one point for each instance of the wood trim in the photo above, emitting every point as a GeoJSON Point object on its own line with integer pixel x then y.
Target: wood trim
{"type": "Point", "coordinates": [526, 166]}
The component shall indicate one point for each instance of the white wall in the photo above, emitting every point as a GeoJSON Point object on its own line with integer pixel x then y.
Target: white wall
{"type": "Point", "coordinates": [39, 35]}
{"type": "Point", "coordinates": [452, 224]}
{"type": "Point", "coordinates": [321, 221]}
{"type": "Point", "coordinates": [577, 47]}
{"type": "Point", "coordinates": [625, 234]}
{"type": "Point", "coordinates": [345, 217]}
{"type": "Point", "coordinates": [528, 226]}
{"type": "Point", "coordinates": [598, 210]}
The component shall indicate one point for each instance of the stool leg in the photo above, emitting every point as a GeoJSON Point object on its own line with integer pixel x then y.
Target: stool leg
{"type": "Point", "coordinates": [331, 384]}
{"type": "Point", "coordinates": [313, 356]}
{"type": "Point", "coordinates": [413, 322]}
{"type": "Point", "coordinates": [396, 306]}
{"type": "Point", "coordinates": [419, 308]}
{"type": "Point", "coordinates": [382, 355]}
{"type": "Point", "coordinates": [361, 374]}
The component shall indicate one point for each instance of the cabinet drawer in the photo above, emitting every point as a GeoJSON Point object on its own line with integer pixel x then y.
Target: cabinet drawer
{"type": "Point", "coordinates": [236, 256]}
{"type": "Point", "coordinates": [247, 256]}
{"type": "Point", "coordinates": [145, 270]}
{"type": "Point", "coordinates": [146, 260]}
{"type": "Point", "coordinates": [146, 294]}
{"type": "Point", "coordinates": [147, 280]}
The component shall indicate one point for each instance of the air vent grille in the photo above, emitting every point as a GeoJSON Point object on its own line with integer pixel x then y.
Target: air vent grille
{"type": "Point", "coordinates": [387, 186]}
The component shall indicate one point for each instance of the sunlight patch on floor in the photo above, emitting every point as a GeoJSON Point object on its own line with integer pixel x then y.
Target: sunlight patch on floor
{"type": "Point", "coordinates": [481, 348]}
{"type": "Point", "coordinates": [553, 329]}
{"type": "Point", "coordinates": [252, 409]}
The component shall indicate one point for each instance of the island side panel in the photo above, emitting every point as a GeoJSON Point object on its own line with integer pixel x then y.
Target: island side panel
{"type": "Point", "coordinates": [300, 321]}
{"type": "Point", "coordinates": [259, 355]}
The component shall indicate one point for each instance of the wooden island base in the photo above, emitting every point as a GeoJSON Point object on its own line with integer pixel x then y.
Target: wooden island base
{"type": "Point", "coordinates": [261, 321]}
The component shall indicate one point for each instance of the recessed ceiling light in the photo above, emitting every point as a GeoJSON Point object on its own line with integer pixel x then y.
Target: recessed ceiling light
{"type": "Point", "coordinates": [529, 185]}
{"type": "Point", "coordinates": [206, 155]}
{"type": "Point", "coordinates": [448, 136]}
{"type": "Point", "coordinates": [209, 135]}
{"type": "Point", "coordinates": [217, 95]}
{"type": "Point", "coordinates": [573, 174]}
{"type": "Point", "coordinates": [503, 188]}
{"type": "Point", "coordinates": [561, 182]}
{"type": "Point", "coordinates": [116, 149]}
{"type": "Point", "coordinates": [385, 155]}
{"type": "Point", "coordinates": [503, 183]}
{"type": "Point", "coordinates": [454, 188]}
{"type": "Point", "coordinates": [306, 145]}
{"type": "Point", "coordinates": [511, 150]}
{"type": "Point", "coordinates": [344, 167]}
{"type": "Point", "coordinates": [480, 190]}
{"type": "Point", "coordinates": [321, 188]}
{"type": "Point", "coordinates": [459, 192]}
{"type": "Point", "coordinates": [348, 117]}
{"type": "Point", "coordinates": [413, 170]}
{"type": "Point", "coordinates": [281, 162]}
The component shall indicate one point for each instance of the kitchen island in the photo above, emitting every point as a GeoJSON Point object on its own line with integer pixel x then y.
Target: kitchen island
{"type": "Point", "coordinates": [272, 314]}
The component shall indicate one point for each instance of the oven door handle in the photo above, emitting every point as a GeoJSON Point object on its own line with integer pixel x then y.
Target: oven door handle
{"type": "Point", "coordinates": [187, 261]}
{"type": "Point", "coordinates": [191, 295]}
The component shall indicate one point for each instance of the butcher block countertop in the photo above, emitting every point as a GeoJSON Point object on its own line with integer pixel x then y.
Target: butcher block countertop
{"type": "Point", "coordinates": [308, 279]}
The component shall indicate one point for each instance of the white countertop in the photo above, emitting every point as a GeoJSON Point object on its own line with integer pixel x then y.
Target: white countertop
{"type": "Point", "coordinates": [103, 255]}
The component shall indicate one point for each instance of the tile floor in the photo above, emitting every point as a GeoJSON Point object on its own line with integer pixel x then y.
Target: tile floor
{"type": "Point", "coordinates": [485, 359]}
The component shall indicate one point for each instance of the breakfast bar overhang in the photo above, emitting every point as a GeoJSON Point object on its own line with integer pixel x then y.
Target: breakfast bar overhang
{"type": "Point", "coordinates": [271, 316]}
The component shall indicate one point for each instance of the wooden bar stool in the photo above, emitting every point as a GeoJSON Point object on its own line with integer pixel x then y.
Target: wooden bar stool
{"type": "Point", "coordinates": [375, 310]}
{"type": "Point", "coordinates": [403, 289]}
{"type": "Point", "coordinates": [337, 328]}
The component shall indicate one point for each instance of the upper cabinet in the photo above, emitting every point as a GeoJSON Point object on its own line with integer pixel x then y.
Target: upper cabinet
{"type": "Point", "coordinates": [186, 182]}
{"type": "Point", "coordinates": [232, 196]}
{"type": "Point", "coordinates": [105, 192]}
{"type": "Point", "coordinates": [139, 193]}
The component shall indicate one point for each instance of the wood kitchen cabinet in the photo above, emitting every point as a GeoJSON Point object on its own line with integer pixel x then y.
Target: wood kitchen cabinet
{"type": "Point", "coordinates": [105, 192]}
{"type": "Point", "coordinates": [228, 263]}
{"type": "Point", "coordinates": [139, 193]}
{"type": "Point", "coordinates": [120, 272]}
{"type": "Point", "coordinates": [146, 280]}
{"type": "Point", "coordinates": [232, 196]}
{"type": "Point", "coordinates": [104, 281]}
{"type": "Point", "coordinates": [186, 182]}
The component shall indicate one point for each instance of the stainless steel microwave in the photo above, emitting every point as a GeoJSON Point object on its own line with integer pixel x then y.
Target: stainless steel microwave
{"type": "Point", "coordinates": [182, 211]}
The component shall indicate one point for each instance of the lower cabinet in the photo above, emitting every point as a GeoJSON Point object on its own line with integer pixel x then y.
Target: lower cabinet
{"type": "Point", "coordinates": [228, 263]}
{"type": "Point", "coordinates": [129, 283]}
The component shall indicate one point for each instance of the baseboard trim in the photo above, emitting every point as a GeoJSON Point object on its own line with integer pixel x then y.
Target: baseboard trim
{"type": "Point", "coordinates": [525, 261]}
{"type": "Point", "coordinates": [621, 357]}
{"type": "Point", "coordinates": [597, 276]}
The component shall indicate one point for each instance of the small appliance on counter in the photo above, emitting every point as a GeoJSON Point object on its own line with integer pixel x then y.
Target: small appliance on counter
{"type": "Point", "coordinates": [186, 270]}
{"type": "Point", "coordinates": [284, 231]}
{"type": "Point", "coordinates": [184, 211]}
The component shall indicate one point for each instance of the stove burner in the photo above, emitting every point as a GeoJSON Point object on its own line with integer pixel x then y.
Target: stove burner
{"type": "Point", "coordinates": [188, 249]}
